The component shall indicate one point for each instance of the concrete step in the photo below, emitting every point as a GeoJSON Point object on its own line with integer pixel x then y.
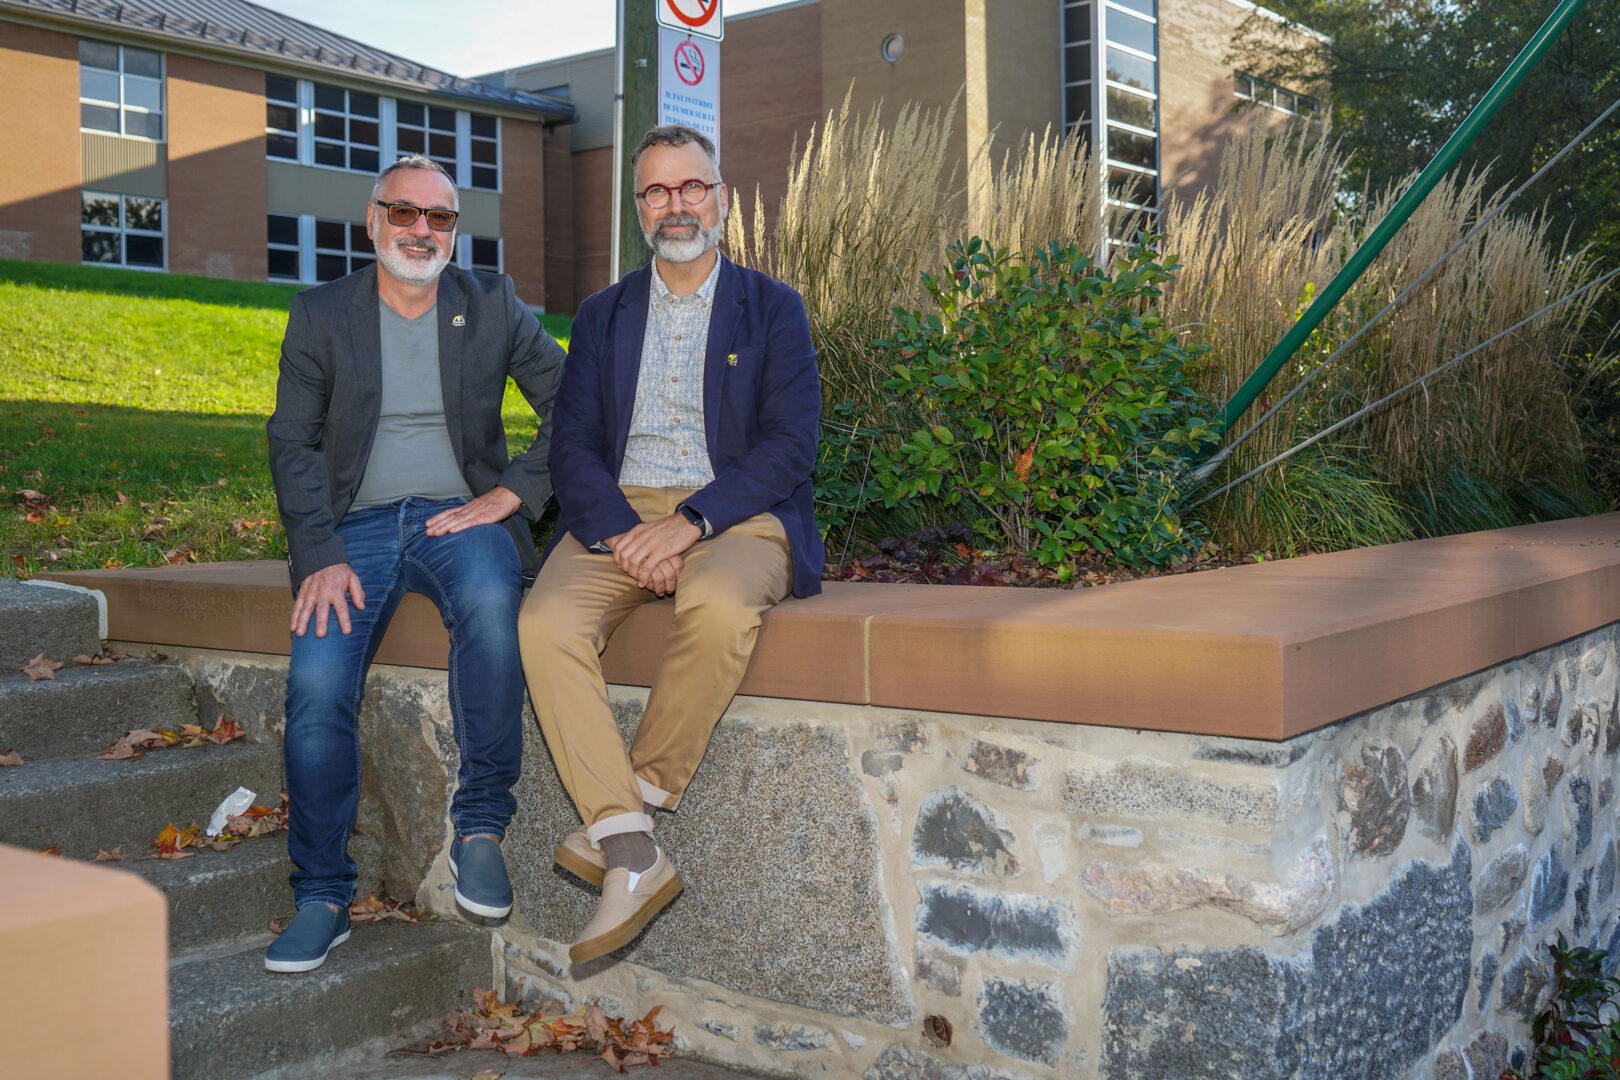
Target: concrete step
{"type": "Point", "coordinates": [84, 709]}
{"type": "Point", "coordinates": [85, 803]}
{"type": "Point", "coordinates": [61, 623]}
{"type": "Point", "coordinates": [221, 898]}
{"type": "Point", "coordinates": [390, 983]}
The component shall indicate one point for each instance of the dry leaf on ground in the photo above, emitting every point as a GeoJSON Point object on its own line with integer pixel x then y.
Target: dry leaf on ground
{"type": "Point", "coordinates": [490, 1025]}
{"type": "Point", "coordinates": [102, 657]}
{"type": "Point", "coordinates": [376, 909]}
{"type": "Point", "coordinates": [54, 849]}
{"type": "Point", "coordinates": [225, 730]}
{"type": "Point", "coordinates": [136, 743]}
{"type": "Point", "coordinates": [40, 668]}
{"type": "Point", "coordinates": [172, 842]}
{"type": "Point", "coordinates": [11, 757]}
{"type": "Point", "coordinates": [115, 855]}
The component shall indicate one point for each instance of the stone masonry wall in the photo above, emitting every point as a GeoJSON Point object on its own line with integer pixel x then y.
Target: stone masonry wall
{"type": "Point", "coordinates": [894, 895]}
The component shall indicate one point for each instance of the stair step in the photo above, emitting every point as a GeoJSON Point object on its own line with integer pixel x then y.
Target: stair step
{"type": "Point", "coordinates": [219, 898]}
{"type": "Point", "coordinates": [230, 1019]}
{"type": "Point", "coordinates": [84, 709]}
{"type": "Point", "coordinates": [61, 623]}
{"type": "Point", "coordinates": [85, 803]}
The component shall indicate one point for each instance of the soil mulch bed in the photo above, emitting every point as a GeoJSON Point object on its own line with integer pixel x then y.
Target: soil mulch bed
{"type": "Point", "coordinates": [938, 556]}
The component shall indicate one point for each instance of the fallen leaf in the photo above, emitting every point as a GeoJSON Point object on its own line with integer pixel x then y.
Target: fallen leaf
{"type": "Point", "coordinates": [54, 849]}
{"type": "Point", "coordinates": [176, 556]}
{"type": "Point", "coordinates": [115, 855]}
{"type": "Point", "coordinates": [225, 730]}
{"type": "Point", "coordinates": [11, 757]}
{"type": "Point", "coordinates": [40, 668]}
{"type": "Point", "coordinates": [123, 500]}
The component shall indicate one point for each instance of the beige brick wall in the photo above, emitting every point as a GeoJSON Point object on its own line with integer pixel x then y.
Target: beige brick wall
{"type": "Point", "coordinates": [1196, 115]}
{"type": "Point", "coordinates": [523, 207]}
{"type": "Point", "coordinates": [39, 191]}
{"type": "Point", "coordinates": [216, 205]}
{"type": "Point", "coordinates": [931, 70]}
{"type": "Point", "coordinates": [770, 91]}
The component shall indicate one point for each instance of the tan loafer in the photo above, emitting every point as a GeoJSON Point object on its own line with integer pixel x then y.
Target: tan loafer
{"type": "Point", "coordinates": [629, 901]}
{"type": "Point", "coordinates": [576, 855]}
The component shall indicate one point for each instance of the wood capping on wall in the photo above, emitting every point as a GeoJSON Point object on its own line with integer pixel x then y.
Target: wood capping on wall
{"type": "Point", "coordinates": [1266, 651]}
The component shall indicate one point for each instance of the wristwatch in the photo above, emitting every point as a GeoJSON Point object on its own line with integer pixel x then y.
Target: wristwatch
{"type": "Point", "coordinates": [702, 523]}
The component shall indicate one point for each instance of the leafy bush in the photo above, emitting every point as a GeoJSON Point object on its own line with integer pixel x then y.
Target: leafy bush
{"type": "Point", "coordinates": [1054, 401]}
{"type": "Point", "coordinates": [1577, 1032]}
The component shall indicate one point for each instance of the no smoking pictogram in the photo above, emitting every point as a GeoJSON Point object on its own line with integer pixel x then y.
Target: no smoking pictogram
{"type": "Point", "coordinates": [700, 17]}
{"type": "Point", "coordinates": [689, 63]}
{"type": "Point", "coordinates": [693, 13]}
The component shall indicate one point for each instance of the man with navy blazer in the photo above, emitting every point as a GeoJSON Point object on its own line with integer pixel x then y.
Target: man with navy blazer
{"type": "Point", "coordinates": [684, 437]}
{"type": "Point", "coordinates": [392, 475]}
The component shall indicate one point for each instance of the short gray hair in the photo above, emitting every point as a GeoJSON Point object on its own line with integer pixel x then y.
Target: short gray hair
{"type": "Point", "coordinates": [414, 161]}
{"type": "Point", "coordinates": [677, 135]}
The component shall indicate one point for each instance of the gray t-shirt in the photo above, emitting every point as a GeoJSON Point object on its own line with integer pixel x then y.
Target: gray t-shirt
{"type": "Point", "coordinates": [411, 454]}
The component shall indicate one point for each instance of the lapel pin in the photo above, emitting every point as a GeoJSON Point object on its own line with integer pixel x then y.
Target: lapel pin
{"type": "Point", "coordinates": [459, 320]}
{"type": "Point", "coordinates": [731, 359]}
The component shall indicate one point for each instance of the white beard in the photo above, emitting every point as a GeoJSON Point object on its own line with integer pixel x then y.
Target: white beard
{"type": "Point", "coordinates": [408, 270]}
{"type": "Point", "coordinates": [675, 250]}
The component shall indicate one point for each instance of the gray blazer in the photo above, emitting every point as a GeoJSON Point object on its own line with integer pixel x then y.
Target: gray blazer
{"type": "Point", "coordinates": [329, 392]}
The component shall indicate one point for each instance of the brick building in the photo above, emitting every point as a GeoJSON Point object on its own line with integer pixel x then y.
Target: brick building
{"type": "Point", "coordinates": [1148, 80]}
{"type": "Point", "coordinates": [217, 137]}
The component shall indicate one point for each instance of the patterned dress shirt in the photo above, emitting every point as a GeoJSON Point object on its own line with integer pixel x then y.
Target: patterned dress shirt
{"type": "Point", "coordinates": [666, 447]}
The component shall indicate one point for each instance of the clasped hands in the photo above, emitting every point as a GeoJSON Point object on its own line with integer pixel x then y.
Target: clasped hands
{"type": "Point", "coordinates": [651, 552]}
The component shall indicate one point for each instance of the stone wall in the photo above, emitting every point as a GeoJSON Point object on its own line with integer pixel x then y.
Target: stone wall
{"type": "Point", "coordinates": [906, 894]}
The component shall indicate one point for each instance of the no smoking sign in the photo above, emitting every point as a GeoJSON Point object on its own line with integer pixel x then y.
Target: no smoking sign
{"type": "Point", "coordinates": [689, 80]}
{"type": "Point", "coordinates": [697, 17]}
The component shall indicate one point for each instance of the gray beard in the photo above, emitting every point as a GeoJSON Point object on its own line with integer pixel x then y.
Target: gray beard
{"type": "Point", "coordinates": [695, 247]}
{"type": "Point", "coordinates": [409, 272]}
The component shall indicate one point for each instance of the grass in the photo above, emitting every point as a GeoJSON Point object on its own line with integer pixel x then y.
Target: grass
{"type": "Point", "coordinates": [134, 405]}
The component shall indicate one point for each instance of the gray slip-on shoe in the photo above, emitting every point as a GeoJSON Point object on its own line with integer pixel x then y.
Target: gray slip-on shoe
{"type": "Point", "coordinates": [479, 870]}
{"type": "Point", "coordinates": [313, 933]}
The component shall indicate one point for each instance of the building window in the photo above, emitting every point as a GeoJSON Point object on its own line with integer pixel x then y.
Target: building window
{"type": "Point", "coordinates": [430, 131]}
{"type": "Point", "coordinates": [347, 129]}
{"type": "Point", "coordinates": [281, 117]}
{"type": "Point", "coordinates": [1077, 84]}
{"type": "Point", "coordinates": [483, 152]}
{"type": "Point", "coordinates": [1131, 101]}
{"type": "Point", "coordinates": [121, 230]}
{"type": "Point", "coordinates": [281, 230]}
{"type": "Point", "coordinates": [120, 90]}
{"type": "Point", "coordinates": [1272, 96]}
{"type": "Point", "coordinates": [341, 247]}
{"type": "Point", "coordinates": [480, 253]}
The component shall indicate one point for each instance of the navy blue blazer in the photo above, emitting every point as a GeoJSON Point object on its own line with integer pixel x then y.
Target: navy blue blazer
{"type": "Point", "coordinates": [761, 410]}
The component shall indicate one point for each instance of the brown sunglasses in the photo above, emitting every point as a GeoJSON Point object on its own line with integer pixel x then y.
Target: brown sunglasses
{"type": "Point", "coordinates": [404, 215]}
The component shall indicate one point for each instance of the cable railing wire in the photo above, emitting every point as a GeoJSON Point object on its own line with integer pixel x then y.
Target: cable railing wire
{"type": "Point", "coordinates": [1202, 472]}
{"type": "Point", "coordinates": [1391, 396]}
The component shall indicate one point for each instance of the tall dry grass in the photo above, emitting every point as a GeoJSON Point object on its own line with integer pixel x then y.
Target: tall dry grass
{"type": "Point", "coordinates": [1491, 442]}
{"type": "Point", "coordinates": [871, 205]}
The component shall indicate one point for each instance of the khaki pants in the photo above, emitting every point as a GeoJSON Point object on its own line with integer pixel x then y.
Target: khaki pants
{"type": "Point", "coordinates": [727, 584]}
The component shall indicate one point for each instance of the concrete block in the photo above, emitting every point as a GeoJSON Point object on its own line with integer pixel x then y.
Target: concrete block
{"type": "Point", "coordinates": [75, 932]}
{"type": "Point", "coordinates": [61, 623]}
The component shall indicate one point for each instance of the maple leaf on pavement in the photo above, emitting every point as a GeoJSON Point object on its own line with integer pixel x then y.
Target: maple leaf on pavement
{"type": "Point", "coordinates": [40, 668]}
{"type": "Point", "coordinates": [225, 730]}
{"type": "Point", "coordinates": [11, 757]}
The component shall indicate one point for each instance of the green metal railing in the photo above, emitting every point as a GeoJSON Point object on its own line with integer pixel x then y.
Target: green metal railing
{"type": "Point", "coordinates": [1370, 248]}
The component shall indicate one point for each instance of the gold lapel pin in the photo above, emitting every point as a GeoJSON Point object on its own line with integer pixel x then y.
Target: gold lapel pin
{"type": "Point", "coordinates": [731, 359]}
{"type": "Point", "coordinates": [459, 320]}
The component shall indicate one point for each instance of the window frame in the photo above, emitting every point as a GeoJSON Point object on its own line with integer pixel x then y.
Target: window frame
{"type": "Point", "coordinates": [121, 106]}
{"type": "Point", "coordinates": [123, 230]}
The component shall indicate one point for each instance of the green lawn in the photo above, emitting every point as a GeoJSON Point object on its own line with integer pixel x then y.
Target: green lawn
{"type": "Point", "coordinates": [134, 405]}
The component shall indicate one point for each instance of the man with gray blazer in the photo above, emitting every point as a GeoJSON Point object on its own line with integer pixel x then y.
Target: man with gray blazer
{"type": "Point", "coordinates": [392, 474]}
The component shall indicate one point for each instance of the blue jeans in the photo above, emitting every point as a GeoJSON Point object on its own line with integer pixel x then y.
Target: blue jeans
{"type": "Point", "coordinates": [475, 579]}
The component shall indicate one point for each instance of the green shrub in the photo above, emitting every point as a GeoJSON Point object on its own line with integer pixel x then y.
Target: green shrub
{"type": "Point", "coordinates": [1577, 1031]}
{"type": "Point", "coordinates": [1054, 402]}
